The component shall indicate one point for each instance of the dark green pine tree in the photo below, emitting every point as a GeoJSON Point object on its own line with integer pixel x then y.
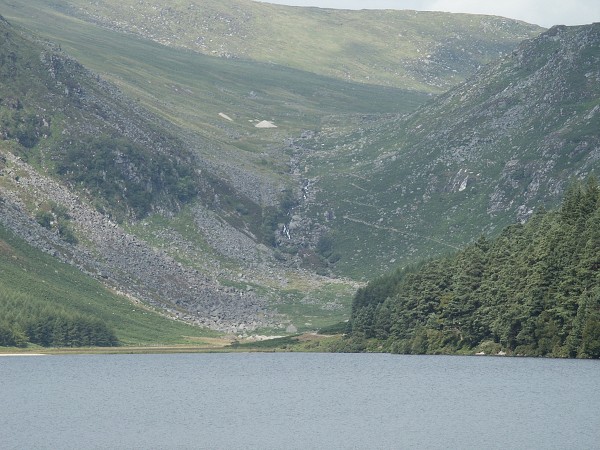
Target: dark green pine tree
{"type": "Point", "coordinates": [535, 290]}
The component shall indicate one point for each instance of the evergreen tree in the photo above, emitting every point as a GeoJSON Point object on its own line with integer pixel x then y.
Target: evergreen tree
{"type": "Point", "coordinates": [535, 290]}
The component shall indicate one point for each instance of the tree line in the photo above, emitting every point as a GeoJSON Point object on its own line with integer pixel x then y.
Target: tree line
{"type": "Point", "coordinates": [25, 320]}
{"type": "Point", "coordinates": [533, 290]}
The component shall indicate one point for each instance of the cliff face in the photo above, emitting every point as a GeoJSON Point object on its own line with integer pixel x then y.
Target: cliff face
{"type": "Point", "coordinates": [484, 154]}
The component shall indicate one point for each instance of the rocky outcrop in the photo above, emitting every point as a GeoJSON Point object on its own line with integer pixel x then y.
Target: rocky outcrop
{"type": "Point", "coordinates": [123, 261]}
{"type": "Point", "coordinates": [485, 154]}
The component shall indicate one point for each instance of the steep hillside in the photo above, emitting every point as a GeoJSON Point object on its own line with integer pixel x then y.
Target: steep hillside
{"type": "Point", "coordinates": [485, 154]}
{"type": "Point", "coordinates": [76, 157]}
{"type": "Point", "coordinates": [52, 303]}
{"type": "Point", "coordinates": [534, 290]}
{"type": "Point", "coordinates": [425, 51]}
{"type": "Point", "coordinates": [200, 256]}
{"type": "Point", "coordinates": [59, 116]}
{"type": "Point", "coordinates": [214, 104]}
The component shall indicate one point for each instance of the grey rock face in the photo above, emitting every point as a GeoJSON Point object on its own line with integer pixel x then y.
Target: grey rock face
{"type": "Point", "coordinates": [482, 155]}
{"type": "Point", "coordinates": [125, 262]}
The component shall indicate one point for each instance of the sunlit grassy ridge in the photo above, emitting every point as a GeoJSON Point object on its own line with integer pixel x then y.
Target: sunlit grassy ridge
{"type": "Point", "coordinates": [425, 51]}
{"type": "Point", "coordinates": [190, 89]}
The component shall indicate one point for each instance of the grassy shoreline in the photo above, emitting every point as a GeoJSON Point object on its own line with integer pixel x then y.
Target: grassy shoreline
{"type": "Point", "coordinates": [108, 350]}
{"type": "Point", "coordinates": [308, 342]}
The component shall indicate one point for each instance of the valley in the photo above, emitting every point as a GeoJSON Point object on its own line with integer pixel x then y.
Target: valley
{"type": "Point", "coordinates": [252, 192]}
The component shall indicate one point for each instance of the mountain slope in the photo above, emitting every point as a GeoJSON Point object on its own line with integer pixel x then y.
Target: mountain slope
{"type": "Point", "coordinates": [201, 257]}
{"type": "Point", "coordinates": [212, 103]}
{"type": "Point", "coordinates": [425, 51]}
{"type": "Point", "coordinates": [113, 160]}
{"type": "Point", "coordinates": [485, 154]}
{"type": "Point", "coordinates": [56, 114]}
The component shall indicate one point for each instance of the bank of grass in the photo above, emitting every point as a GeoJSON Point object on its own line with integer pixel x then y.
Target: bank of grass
{"type": "Point", "coordinates": [308, 342]}
{"type": "Point", "coordinates": [27, 273]}
{"type": "Point", "coordinates": [207, 345]}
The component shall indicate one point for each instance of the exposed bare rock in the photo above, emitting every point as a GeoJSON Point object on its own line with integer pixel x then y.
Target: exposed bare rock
{"type": "Point", "coordinates": [121, 260]}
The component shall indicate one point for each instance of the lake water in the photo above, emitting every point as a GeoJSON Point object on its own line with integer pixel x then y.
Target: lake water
{"type": "Point", "coordinates": [297, 401]}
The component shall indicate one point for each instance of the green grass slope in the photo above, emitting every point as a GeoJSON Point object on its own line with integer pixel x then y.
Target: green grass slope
{"type": "Point", "coordinates": [190, 89]}
{"type": "Point", "coordinates": [425, 51]}
{"type": "Point", "coordinates": [30, 277]}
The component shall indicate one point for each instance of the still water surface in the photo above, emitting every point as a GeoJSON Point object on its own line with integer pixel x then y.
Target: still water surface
{"type": "Point", "coordinates": [298, 401]}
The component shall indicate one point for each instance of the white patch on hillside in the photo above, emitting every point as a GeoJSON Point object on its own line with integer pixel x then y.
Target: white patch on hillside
{"type": "Point", "coordinates": [265, 124]}
{"type": "Point", "coordinates": [225, 116]}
